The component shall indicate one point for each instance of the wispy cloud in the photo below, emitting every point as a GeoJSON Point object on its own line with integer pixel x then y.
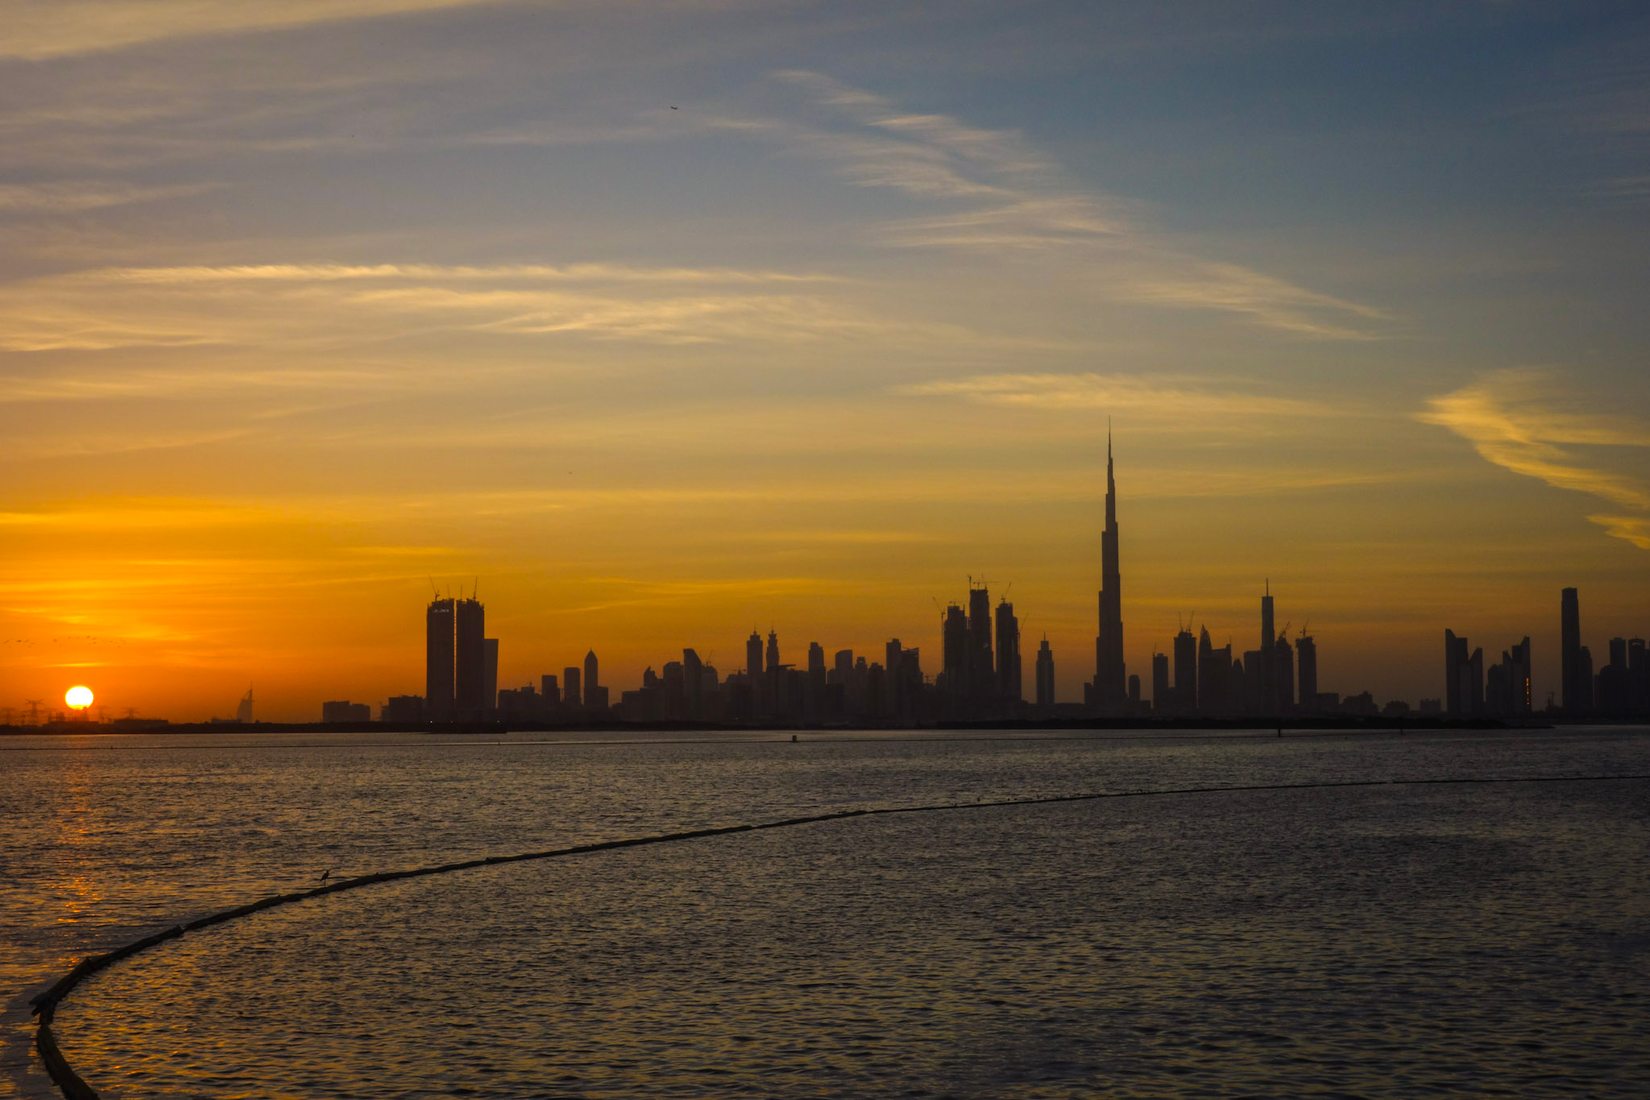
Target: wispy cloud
{"type": "Point", "coordinates": [1184, 399]}
{"type": "Point", "coordinates": [77, 196]}
{"type": "Point", "coordinates": [1001, 195]}
{"type": "Point", "coordinates": [284, 304]}
{"type": "Point", "coordinates": [1517, 419]}
{"type": "Point", "coordinates": [37, 29]}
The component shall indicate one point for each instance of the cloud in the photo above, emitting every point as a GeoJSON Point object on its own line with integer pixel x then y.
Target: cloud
{"type": "Point", "coordinates": [333, 304]}
{"type": "Point", "coordinates": [1176, 399]}
{"type": "Point", "coordinates": [1002, 196]}
{"type": "Point", "coordinates": [77, 196]}
{"type": "Point", "coordinates": [1517, 419]}
{"type": "Point", "coordinates": [38, 29]}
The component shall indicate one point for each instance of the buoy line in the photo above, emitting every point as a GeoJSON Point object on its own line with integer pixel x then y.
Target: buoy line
{"type": "Point", "coordinates": [74, 1087]}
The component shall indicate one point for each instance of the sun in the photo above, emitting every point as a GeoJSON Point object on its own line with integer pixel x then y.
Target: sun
{"type": "Point", "coordinates": [78, 697]}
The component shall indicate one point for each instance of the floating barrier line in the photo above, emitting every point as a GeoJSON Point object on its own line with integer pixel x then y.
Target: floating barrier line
{"type": "Point", "coordinates": [74, 1087]}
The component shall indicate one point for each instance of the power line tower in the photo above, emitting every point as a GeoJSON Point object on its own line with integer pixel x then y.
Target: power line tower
{"type": "Point", "coordinates": [34, 710]}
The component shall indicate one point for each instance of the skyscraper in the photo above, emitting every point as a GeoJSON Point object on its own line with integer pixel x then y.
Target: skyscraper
{"type": "Point", "coordinates": [438, 660]}
{"type": "Point", "coordinates": [470, 667]}
{"type": "Point", "coordinates": [1463, 677]}
{"type": "Point", "coordinates": [982, 669]}
{"type": "Point", "coordinates": [1306, 656]}
{"type": "Point", "coordinates": [1045, 676]}
{"type": "Point", "coordinates": [489, 676]}
{"type": "Point", "coordinates": [1576, 669]}
{"type": "Point", "coordinates": [1268, 656]}
{"type": "Point", "coordinates": [1109, 682]}
{"type": "Point", "coordinates": [1185, 671]}
{"type": "Point", "coordinates": [1008, 655]}
{"type": "Point", "coordinates": [753, 657]}
{"type": "Point", "coordinates": [592, 679]}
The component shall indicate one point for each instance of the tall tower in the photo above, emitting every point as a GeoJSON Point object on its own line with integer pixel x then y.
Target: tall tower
{"type": "Point", "coordinates": [1306, 656]}
{"type": "Point", "coordinates": [1045, 677]}
{"type": "Point", "coordinates": [1110, 691]}
{"type": "Point", "coordinates": [592, 682]}
{"type": "Point", "coordinates": [753, 657]}
{"type": "Point", "coordinates": [1577, 672]}
{"type": "Point", "coordinates": [1268, 656]}
{"type": "Point", "coordinates": [470, 683]}
{"type": "Point", "coordinates": [1009, 670]}
{"type": "Point", "coordinates": [438, 659]}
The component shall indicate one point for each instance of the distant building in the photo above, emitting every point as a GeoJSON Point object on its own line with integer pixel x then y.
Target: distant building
{"type": "Point", "coordinates": [1185, 672]}
{"type": "Point", "coordinates": [1163, 701]}
{"type": "Point", "coordinates": [470, 668]}
{"type": "Point", "coordinates": [592, 680]}
{"type": "Point", "coordinates": [1045, 677]}
{"type": "Point", "coordinates": [489, 676]}
{"type": "Point", "coordinates": [1306, 659]}
{"type": "Point", "coordinates": [1008, 655]}
{"type": "Point", "coordinates": [571, 694]}
{"type": "Point", "coordinates": [1463, 678]}
{"type": "Point", "coordinates": [342, 710]}
{"type": "Point", "coordinates": [402, 710]}
{"type": "Point", "coordinates": [439, 656]}
{"type": "Point", "coordinates": [1576, 663]}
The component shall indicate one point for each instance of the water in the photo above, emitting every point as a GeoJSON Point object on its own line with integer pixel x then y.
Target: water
{"type": "Point", "coordinates": [1375, 941]}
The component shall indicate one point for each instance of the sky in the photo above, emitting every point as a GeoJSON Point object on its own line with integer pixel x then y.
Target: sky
{"type": "Point", "coordinates": [659, 322]}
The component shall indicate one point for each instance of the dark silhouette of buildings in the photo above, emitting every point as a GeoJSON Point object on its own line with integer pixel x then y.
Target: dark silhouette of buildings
{"type": "Point", "coordinates": [1045, 677]}
{"type": "Point", "coordinates": [470, 681]}
{"type": "Point", "coordinates": [1008, 656]}
{"type": "Point", "coordinates": [1108, 691]}
{"type": "Point", "coordinates": [1306, 657]}
{"type": "Point", "coordinates": [439, 655]}
{"type": "Point", "coordinates": [1264, 668]}
{"type": "Point", "coordinates": [1463, 678]}
{"type": "Point", "coordinates": [1507, 690]}
{"type": "Point", "coordinates": [1577, 663]}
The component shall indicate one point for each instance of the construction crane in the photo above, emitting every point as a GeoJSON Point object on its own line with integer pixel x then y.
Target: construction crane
{"type": "Point", "coordinates": [1304, 625]}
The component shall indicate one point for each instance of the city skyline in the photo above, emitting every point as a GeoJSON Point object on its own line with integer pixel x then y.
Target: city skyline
{"type": "Point", "coordinates": [666, 325]}
{"type": "Point", "coordinates": [980, 676]}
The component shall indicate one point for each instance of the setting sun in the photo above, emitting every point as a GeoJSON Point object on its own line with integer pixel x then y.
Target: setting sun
{"type": "Point", "coordinates": [78, 697]}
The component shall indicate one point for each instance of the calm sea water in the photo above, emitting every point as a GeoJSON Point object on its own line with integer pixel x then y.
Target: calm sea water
{"type": "Point", "coordinates": [1388, 941]}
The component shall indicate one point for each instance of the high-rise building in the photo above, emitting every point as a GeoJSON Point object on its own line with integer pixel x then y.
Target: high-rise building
{"type": "Point", "coordinates": [1162, 694]}
{"type": "Point", "coordinates": [1045, 676]}
{"type": "Point", "coordinates": [1463, 677]}
{"type": "Point", "coordinates": [954, 650]}
{"type": "Point", "coordinates": [1008, 655]}
{"type": "Point", "coordinates": [439, 633]}
{"type": "Point", "coordinates": [1110, 686]}
{"type": "Point", "coordinates": [571, 694]}
{"type": "Point", "coordinates": [982, 672]}
{"type": "Point", "coordinates": [1306, 657]}
{"type": "Point", "coordinates": [592, 678]}
{"type": "Point", "coordinates": [489, 676]}
{"type": "Point", "coordinates": [1283, 675]}
{"type": "Point", "coordinates": [1214, 677]}
{"type": "Point", "coordinates": [753, 657]}
{"type": "Point", "coordinates": [773, 650]}
{"type": "Point", "coordinates": [1576, 664]}
{"type": "Point", "coordinates": [1185, 672]}
{"type": "Point", "coordinates": [470, 667]}
{"type": "Point", "coordinates": [1269, 699]}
